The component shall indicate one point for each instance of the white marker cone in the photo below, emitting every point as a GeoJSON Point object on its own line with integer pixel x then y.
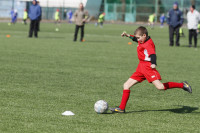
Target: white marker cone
{"type": "Point", "coordinates": [68, 113]}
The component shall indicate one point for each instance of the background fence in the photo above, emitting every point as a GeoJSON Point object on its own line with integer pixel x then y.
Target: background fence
{"type": "Point", "coordinates": [139, 10]}
{"type": "Point", "coordinates": [116, 10]}
{"type": "Point", "coordinates": [49, 7]}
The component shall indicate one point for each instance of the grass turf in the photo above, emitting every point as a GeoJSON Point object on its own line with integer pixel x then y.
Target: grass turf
{"type": "Point", "coordinates": [41, 78]}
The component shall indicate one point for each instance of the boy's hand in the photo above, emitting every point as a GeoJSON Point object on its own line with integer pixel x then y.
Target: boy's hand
{"type": "Point", "coordinates": [125, 34]}
{"type": "Point", "coordinates": [153, 66]}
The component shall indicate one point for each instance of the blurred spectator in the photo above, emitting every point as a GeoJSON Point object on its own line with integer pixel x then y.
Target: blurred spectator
{"type": "Point", "coordinates": [40, 17]}
{"type": "Point", "coordinates": [198, 31]}
{"type": "Point", "coordinates": [151, 20]}
{"type": "Point", "coordinates": [57, 16]}
{"type": "Point", "coordinates": [193, 18]}
{"type": "Point", "coordinates": [174, 20]}
{"type": "Point", "coordinates": [34, 14]}
{"type": "Point", "coordinates": [14, 18]}
{"type": "Point", "coordinates": [65, 14]}
{"type": "Point", "coordinates": [69, 16]}
{"type": "Point", "coordinates": [25, 16]}
{"type": "Point", "coordinates": [11, 14]}
{"type": "Point", "coordinates": [162, 20]}
{"type": "Point", "coordinates": [80, 17]}
{"type": "Point", "coordinates": [181, 33]}
{"type": "Point", "coordinates": [100, 20]}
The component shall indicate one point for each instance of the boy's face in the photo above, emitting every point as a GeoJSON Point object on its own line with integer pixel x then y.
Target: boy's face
{"type": "Point", "coordinates": [140, 38]}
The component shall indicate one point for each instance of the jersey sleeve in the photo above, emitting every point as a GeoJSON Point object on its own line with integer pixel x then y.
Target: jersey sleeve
{"type": "Point", "coordinates": [133, 38]}
{"type": "Point", "coordinates": [153, 59]}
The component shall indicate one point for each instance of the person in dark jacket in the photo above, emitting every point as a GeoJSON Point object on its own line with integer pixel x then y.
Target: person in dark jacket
{"type": "Point", "coordinates": [40, 17]}
{"type": "Point", "coordinates": [34, 14]}
{"type": "Point", "coordinates": [174, 20]}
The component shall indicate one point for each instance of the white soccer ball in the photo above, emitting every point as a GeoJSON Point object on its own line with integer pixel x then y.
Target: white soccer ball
{"type": "Point", "coordinates": [57, 29]}
{"type": "Point", "coordinates": [101, 107]}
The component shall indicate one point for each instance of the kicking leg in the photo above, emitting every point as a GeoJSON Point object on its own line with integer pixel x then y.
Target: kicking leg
{"type": "Point", "coordinates": [169, 85]}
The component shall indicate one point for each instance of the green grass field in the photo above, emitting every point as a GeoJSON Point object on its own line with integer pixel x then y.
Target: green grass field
{"type": "Point", "coordinates": [41, 78]}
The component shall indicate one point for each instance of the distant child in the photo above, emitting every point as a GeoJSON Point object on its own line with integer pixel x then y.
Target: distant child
{"type": "Point", "coordinates": [100, 20]}
{"type": "Point", "coordinates": [70, 15]}
{"type": "Point", "coordinates": [25, 16]}
{"type": "Point", "coordinates": [12, 14]}
{"type": "Point", "coordinates": [162, 20]}
{"type": "Point", "coordinates": [198, 30]}
{"type": "Point", "coordinates": [181, 33]}
{"type": "Point", "coordinates": [65, 14]}
{"type": "Point", "coordinates": [57, 16]}
{"type": "Point", "coordinates": [151, 20]}
{"type": "Point", "coordinates": [146, 68]}
{"type": "Point", "coordinates": [14, 18]}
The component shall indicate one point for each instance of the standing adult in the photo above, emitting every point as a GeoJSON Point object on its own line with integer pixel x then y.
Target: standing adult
{"type": "Point", "coordinates": [193, 18]}
{"type": "Point", "coordinates": [174, 20]}
{"type": "Point", "coordinates": [80, 17]}
{"type": "Point", "coordinates": [34, 14]}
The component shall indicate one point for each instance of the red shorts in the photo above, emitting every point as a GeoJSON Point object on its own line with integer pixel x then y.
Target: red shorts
{"type": "Point", "coordinates": [144, 71]}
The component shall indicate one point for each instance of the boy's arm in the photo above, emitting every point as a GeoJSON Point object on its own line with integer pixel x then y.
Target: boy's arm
{"type": "Point", "coordinates": [153, 60]}
{"type": "Point", "coordinates": [133, 38]}
{"type": "Point", "coordinates": [130, 36]}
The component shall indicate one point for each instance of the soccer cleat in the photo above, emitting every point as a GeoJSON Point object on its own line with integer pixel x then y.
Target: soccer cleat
{"type": "Point", "coordinates": [117, 110]}
{"type": "Point", "coordinates": [187, 87]}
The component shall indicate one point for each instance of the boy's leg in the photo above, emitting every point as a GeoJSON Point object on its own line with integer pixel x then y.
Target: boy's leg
{"type": "Point", "coordinates": [169, 85]}
{"type": "Point", "coordinates": [125, 96]}
{"type": "Point", "coordinates": [126, 92]}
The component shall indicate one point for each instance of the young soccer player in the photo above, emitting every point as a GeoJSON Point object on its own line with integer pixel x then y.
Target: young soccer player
{"type": "Point", "coordinates": [146, 68]}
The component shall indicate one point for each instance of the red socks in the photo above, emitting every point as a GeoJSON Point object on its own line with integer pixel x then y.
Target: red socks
{"type": "Point", "coordinates": [170, 85]}
{"type": "Point", "coordinates": [125, 97]}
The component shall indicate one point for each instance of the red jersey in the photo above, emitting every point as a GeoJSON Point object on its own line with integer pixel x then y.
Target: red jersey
{"type": "Point", "coordinates": [144, 50]}
{"type": "Point", "coordinates": [144, 70]}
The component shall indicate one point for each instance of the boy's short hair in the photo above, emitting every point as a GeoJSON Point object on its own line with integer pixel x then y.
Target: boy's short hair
{"type": "Point", "coordinates": [141, 31]}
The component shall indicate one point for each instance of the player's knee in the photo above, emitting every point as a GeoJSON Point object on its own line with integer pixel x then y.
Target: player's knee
{"type": "Point", "coordinates": [126, 86]}
{"type": "Point", "coordinates": [160, 87]}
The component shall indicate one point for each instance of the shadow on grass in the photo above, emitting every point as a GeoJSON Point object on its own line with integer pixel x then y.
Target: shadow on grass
{"type": "Point", "coordinates": [49, 37]}
{"type": "Point", "coordinates": [181, 110]}
{"type": "Point", "coordinates": [99, 41]}
{"type": "Point", "coordinates": [188, 46]}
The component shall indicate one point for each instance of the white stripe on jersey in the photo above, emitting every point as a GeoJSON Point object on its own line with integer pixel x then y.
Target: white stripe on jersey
{"type": "Point", "coordinates": [146, 55]}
